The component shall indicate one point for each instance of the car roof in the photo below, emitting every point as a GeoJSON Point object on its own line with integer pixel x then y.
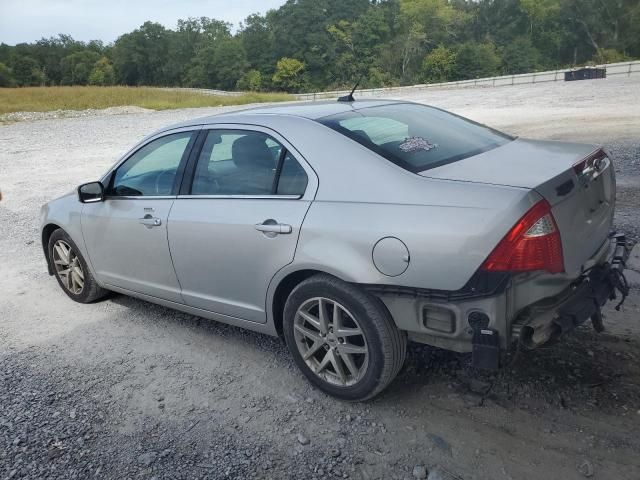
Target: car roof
{"type": "Point", "coordinates": [315, 110]}
{"type": "Point", "coordinates": [308, 110]}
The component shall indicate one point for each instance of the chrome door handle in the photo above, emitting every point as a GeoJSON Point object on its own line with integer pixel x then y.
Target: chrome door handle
{"type": "Point", "coordinates": [273, 228]}
{"type": "Point", "coordinates": [149, 221]}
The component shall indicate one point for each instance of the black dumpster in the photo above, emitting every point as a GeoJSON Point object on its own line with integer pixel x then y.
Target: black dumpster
{"type": "Point", "coordinates": [585, 73]}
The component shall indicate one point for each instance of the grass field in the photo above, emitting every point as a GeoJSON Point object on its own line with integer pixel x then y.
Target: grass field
{"type": "Point", "coordinates": [44, 99]}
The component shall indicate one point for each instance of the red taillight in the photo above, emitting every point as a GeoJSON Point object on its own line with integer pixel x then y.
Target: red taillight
{"type": "Point", "coordinates": [532, 244]}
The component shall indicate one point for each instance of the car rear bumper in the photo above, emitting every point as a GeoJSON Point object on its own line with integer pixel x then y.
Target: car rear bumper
{"type": "Point", "coordinates": [530, 310]}
{"type": "Point", "coordinates": [581, 301]}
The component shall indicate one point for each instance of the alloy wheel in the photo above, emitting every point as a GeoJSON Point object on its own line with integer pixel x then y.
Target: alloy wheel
{"type": "Point", "coordinates": [68, 267]}
{"type": "Point", "coordinates": [331, 341]}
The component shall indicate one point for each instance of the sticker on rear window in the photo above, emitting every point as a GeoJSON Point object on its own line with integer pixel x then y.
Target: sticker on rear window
{"type": "Point", "coordinates": [414, 144]}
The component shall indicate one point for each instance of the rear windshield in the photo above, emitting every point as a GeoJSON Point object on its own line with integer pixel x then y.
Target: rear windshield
{"type": "Point", "coordinates": [415, 137]}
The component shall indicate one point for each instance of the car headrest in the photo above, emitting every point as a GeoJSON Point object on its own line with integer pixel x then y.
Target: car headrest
{"type": "Point", "coordinates": [251, 151]}
{"type": "Point", "coordinates": [362, 134]}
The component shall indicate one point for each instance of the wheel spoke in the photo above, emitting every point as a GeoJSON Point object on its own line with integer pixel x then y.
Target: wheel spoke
{"type": "Point", "coordinates": [325, 361]}
{"type": "Point", "coordinates": [337, 317]}
{"type": "Point", "coordinates": [78, 271]}
{"type": "Point", "coordinates": [322, 314]}
{"type": "Point", "coordinates": [62, 254]}
{"type": "Point", "coordinates": [309, 334]}
{"type": "Point", "coordinates": [310, 319]}
{"type": "Point", "coordinates": [351, 366]}
{"type": "Point", "coordinates": [69, 279]}
{"type": "Point", "coordinates": [65, 272]}
{"type": "Point", "coordinates": [77, 280]}
{"type": "Point", "coordinates": [312, 350]}
{"type": "Point", "coordinates": [337, 366]}
{"type": "Point", "coordinates": [348, 332]}
{"type": "Point", "coordinates": [348, 348]}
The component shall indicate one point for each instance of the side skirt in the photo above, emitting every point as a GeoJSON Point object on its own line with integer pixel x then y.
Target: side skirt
{"type": "Point", "coordinates": [265, 328]}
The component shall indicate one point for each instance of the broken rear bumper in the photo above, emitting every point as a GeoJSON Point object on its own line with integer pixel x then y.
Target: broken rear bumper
{"type": "Point", "coordinates": [582, 301]}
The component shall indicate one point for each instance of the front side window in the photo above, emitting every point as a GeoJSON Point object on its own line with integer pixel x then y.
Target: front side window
{"type": "Point", "coordinates": [242, 162]}
{"type": "Point", "coordinates": [415, 137]}
{"type": "Point", "coordinates": [152, 169]}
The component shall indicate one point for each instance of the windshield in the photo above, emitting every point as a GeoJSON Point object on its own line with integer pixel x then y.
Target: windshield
{"type": "Point", "coordinates": [415, 137]}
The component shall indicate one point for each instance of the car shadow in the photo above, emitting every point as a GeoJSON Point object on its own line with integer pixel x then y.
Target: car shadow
{"type": "Point", "coordinates": [583, 370]}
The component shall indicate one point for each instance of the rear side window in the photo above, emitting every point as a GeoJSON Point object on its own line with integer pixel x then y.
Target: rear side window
{"type": "Point", "coordinates": [415, 137]}
{"type": "Point", "coordinates": [243, 162]}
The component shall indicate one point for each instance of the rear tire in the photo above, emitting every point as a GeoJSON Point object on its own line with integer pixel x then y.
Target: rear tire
{"type": "Point", "coordinates": [71, 270]}
{"type": "Point", "coordinates": [342, 338]}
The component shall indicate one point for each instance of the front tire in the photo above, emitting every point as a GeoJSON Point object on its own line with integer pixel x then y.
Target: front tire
{"type": "Point", "coordinates": [71, 270]}
{"type": "Point", "coordinates": [343, 339]}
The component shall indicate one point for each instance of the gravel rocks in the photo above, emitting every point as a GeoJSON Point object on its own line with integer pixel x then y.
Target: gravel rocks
{"type": "Point", "coordinates": [586, 469]}
{"type": "Point", "coordinates": [147, 458]}
{"type": "Point", "coordinates": [56, 114]}
{"type": "Point", "coordinates": [419, 471]}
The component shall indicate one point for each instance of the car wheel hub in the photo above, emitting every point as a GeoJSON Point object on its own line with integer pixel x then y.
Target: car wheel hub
{"type": "Point", "coordinates": [331, 342]}
{"type": "Point", "coordinates": [68, 267]}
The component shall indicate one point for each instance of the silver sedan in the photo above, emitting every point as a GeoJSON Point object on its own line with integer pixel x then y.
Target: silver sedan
{"type": "Point", "coordinates": [350, 228]}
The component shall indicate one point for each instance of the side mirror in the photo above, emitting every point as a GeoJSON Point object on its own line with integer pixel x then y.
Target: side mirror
{"type": "Point", "coordinates": [91, 192]}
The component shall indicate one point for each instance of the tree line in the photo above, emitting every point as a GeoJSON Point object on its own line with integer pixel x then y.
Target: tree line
{"type": "Point", "coordinates": [325, 44]}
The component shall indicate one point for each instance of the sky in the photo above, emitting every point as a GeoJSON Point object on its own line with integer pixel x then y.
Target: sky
{"type": "Point", "coordinates": [30, 20]}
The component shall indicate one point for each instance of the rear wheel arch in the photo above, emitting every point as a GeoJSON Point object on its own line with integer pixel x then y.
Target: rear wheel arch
{"type": "Point", "coordinates": [291, 281]}
{"type": "Point", "coordinates": [284, 288]}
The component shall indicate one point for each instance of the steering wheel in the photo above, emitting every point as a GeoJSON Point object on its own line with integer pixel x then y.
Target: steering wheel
{"type": "Point", "coordinates": [160, 175]}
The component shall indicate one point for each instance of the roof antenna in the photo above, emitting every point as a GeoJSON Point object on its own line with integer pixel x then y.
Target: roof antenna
{"type": "Point", "coordinates": [349, 98]}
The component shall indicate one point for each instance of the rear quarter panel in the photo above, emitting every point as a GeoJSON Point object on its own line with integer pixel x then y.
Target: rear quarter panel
{"type": "Point", "coordinates": [446, 243]}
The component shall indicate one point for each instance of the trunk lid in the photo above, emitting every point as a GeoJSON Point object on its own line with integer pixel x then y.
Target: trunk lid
{"type": "Point", "coordinates": [582, 197]}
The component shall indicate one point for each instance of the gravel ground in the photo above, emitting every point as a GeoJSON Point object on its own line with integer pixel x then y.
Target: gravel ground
{"type": "Point", "coordinates": [126, 389]}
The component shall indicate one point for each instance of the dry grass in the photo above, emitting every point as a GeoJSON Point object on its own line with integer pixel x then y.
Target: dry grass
{"type": "Point", "coordinates": [44, 99]}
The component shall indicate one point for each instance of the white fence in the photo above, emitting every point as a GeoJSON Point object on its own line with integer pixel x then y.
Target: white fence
{"type": "Point", "coordinates": [622, 68]}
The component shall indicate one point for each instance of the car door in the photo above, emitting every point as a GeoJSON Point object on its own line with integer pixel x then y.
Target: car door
{"type": "Point", "coordinates": [237, 220]}
{"type": "Point", "coordinates": [126, 234]}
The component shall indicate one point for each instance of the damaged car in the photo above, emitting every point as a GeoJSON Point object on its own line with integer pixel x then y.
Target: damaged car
{"type": "Point", "coordinates": [350, 228]}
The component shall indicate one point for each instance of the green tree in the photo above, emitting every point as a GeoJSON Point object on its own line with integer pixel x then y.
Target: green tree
{"type": "Point", "coordinates": [77, 67]}
{"type": "Point", "coordinates": [300, 28]}
{"type": "Point", "coordinates": [27, 72]}
{"type": "Point", "coordinates": [219, 65]}
{"type": "Point", "coordinates": [49, 52]}
{"type": "Point", "coordinates": [608, 55]}
{"type": "Point", "coordinates": [595, 24]}
{"type": "Point", "coordinates": [439, 65]}
{"type": "Point", "coordinates": [424, 24]}
{"type": "Point", "coordinates": [476, 60]}
{"type": "Point", "coordinates": [103, 73]}
{"type": "Point", "coordinates": [250, 81]}
{"type": "Point", "coordinates": [520, 56]}
{"type": "Point", "coordinates": [289, 75]}
{"type": "Point", "coordinates": [258, 40]}
{"type": "Point", "coordinates": [140, 57]}
{"type": "Point", "coordinates": [187, 41]}
{"type": "Point", "coordinates": [539, 11]}
{"type": "Point", "coordinates": [6, 76]}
